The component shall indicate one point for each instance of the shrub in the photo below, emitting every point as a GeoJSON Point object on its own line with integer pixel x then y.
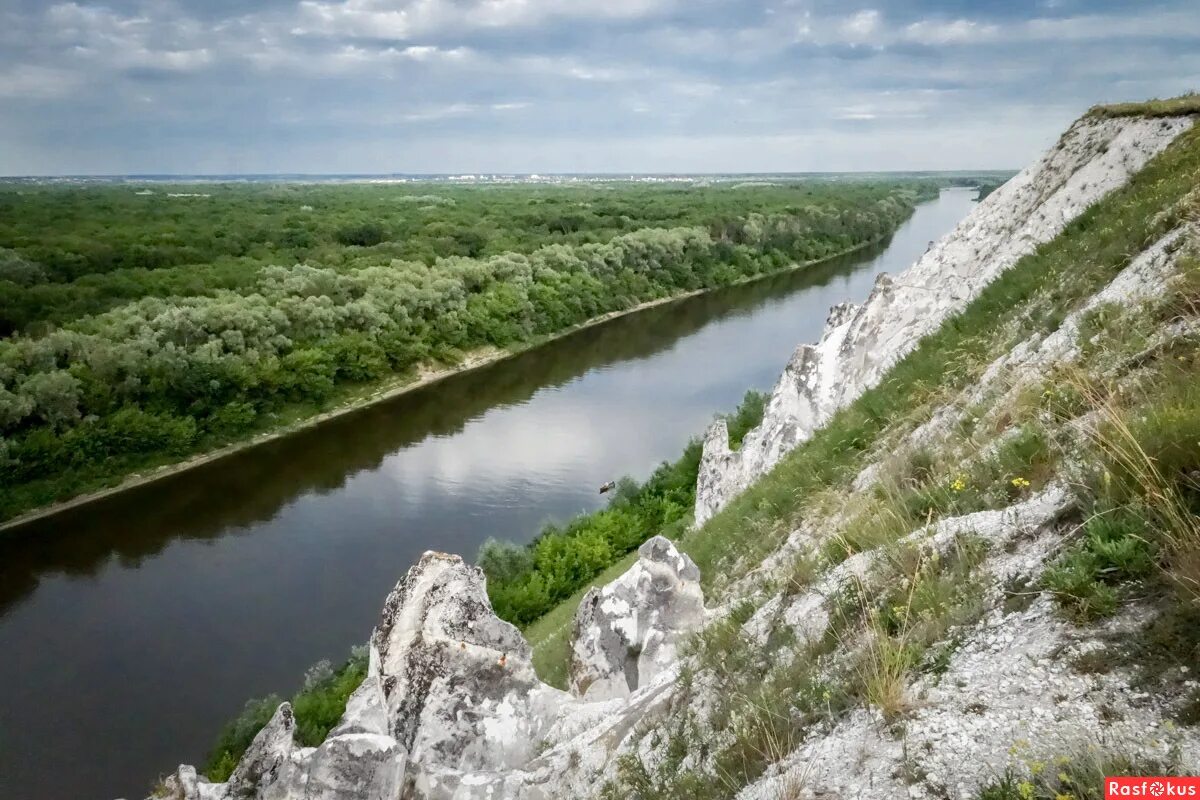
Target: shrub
{"type": "Point", "coordinates": [503, 562]}
{"type": "Point", "coordinates": [1076, 587]}
{"type": "Point", "coordinates": [236, 736]}
{"type": "Point", "coordinates": [362, 234]}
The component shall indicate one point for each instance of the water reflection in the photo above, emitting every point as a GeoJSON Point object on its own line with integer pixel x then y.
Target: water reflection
{"type": "Point", "coordinates": [252, 486]}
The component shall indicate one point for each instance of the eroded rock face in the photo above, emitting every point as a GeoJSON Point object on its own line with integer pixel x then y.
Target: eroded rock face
{"type": "Point", "coordinates": [351, 766]}
{"type": "Point", "coordinates": [266, 756]}
{"type": "Point", "coordinates": [1094, 157]}
{"type": "Point", "coordinates": [625, 634]}
{"type": "Point", "coordinates": [264, 763]}
{"type": "Point", "coordinates": [450, 706]}
{"type": "Point", "coordinates": [357, 761]}
{"type": "Point", "coordinates": [459, 688]}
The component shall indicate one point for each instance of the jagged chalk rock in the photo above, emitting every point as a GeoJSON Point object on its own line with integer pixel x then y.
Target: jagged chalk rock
{"type": "Point", "coordinates": [365, 711]}
{"type": "Point", "coordinates": [351, 766]}
{"type": "Point", "coordinates": [459, 688]}
{"type": "Point", "coordinates": [357, 761]}
{"type": "Point", "coordinates": [625, 634]}
{"type": "Point", "coordinates": [266, 756]}
{"type": "Point", "coordinates": [184, 784]}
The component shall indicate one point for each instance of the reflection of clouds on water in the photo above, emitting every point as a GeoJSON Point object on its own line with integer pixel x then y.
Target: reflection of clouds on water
{"type": "Point", "coordinates": [552, 447]}
{"type": "Point", "coordinates": [538, 442]}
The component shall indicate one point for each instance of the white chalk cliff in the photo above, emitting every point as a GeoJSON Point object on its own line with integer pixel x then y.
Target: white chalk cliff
{"type": "Point", "coordinates": [626, 633]}
{"type": "Point", "coordinates": [860, 343]}
{"type": "Point", "coordinates": [451, 708]}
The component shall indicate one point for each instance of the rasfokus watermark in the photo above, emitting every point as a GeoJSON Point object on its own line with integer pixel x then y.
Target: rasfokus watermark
{"type": "Point", "coordinates": [1150, 786]}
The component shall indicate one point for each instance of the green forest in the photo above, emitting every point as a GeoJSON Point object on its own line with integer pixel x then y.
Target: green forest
{"type": "Point", "coordinates": [144, 324]}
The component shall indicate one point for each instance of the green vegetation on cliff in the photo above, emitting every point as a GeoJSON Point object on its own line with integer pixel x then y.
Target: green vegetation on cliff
{"type": "Point", "coordinates": [1136, 475]}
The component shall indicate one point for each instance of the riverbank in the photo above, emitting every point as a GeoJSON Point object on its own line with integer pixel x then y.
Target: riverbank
{"type": "Point", "coordinates": [356, 401]}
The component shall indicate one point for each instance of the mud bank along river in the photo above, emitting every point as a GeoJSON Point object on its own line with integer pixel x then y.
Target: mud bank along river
{"type": "Point", "coordinates": [134, 627]}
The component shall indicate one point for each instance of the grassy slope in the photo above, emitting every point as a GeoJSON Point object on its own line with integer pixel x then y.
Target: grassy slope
{"type": "Point", "coordinates": [1171, 107]}
{"type": "Point", "coordinates": [1030, 299]}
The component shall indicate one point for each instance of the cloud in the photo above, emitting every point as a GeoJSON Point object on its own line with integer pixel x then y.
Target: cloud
{"type": "Point", "coordinates": [959, 31]}
{"type": "Point", "coordinates": [861, 27]}
{"type": "Point", "coordinates": [445, 85]}
{"type": "Point", "coordinates": [26, 81]}
{"type": "Point", "coordinates": [405, 19]}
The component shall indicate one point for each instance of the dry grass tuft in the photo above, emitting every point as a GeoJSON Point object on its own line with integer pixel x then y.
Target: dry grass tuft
{"type": "Point", "coordinates": [1170, 107]}
{"type": "Point", "coordinates": [1138, 446]}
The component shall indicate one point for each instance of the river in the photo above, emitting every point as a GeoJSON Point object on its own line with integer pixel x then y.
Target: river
{"type": "Point", "coordinates": [134, 627]}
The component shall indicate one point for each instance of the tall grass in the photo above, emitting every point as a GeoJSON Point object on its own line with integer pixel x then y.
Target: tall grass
{"type": "Point", "coordinates": [1151, 466]}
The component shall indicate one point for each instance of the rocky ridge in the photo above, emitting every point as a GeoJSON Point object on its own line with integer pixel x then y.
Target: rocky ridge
{"type": "Point", "coordinates": [860, 343]}
{"type": "Point", "coordinates": [451, 707]}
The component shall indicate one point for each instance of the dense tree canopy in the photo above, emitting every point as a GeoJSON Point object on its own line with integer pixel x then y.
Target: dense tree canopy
{"type": "Point", "coordinates": [142, 328]}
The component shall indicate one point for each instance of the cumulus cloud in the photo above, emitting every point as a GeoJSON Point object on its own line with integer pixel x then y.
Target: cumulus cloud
{"type": "Point", "coordinates": [404, 19]}
{"type": "Point", "coordinates": [29, 81]}
{"type": "Point", "coordinates": [446, 85]}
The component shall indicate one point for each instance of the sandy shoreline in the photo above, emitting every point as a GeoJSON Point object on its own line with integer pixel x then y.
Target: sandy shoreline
{"type": "Point", "coordinates": [474, 360]}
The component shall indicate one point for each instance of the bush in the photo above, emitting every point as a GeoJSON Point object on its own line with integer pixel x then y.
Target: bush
{"type": "Point", "coordinates": [1115, 551]}
{"type": "Point", "coordinates": [362, 234]}
{"type": "Point", "coordinates": [503, 562]}
{"type": "Point", "coordinates": [1076, 587]}
{"type": "Point", "coordinates": [237, 736]}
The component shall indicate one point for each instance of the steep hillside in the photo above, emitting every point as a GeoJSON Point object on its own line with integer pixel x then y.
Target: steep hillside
{"type": "Point", "coordinates": [959, 558]}
{"type": "Point", "coordinates": [860, 343]}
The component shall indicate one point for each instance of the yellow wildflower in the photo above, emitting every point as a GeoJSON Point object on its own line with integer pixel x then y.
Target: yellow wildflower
{"type": "Point", "coordinates": [1020, 482]}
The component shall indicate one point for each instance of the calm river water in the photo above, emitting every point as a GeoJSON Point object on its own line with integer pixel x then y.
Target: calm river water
{"type": "Point", "coordinates": [133, 628]}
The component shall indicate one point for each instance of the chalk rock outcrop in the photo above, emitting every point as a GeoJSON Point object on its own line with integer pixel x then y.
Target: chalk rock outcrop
{"type": "Point", "coordinates": [1094, 157]}
{"type": "Point", "coordinates": [626, 633]}
{"type": "Point", "coordinates": [450, 707]}
{"type": "Point", "coordinates": [459, 687]}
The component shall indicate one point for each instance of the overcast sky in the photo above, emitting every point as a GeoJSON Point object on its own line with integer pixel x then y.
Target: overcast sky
{"type": "Point", "coordinates": [218, 86]}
